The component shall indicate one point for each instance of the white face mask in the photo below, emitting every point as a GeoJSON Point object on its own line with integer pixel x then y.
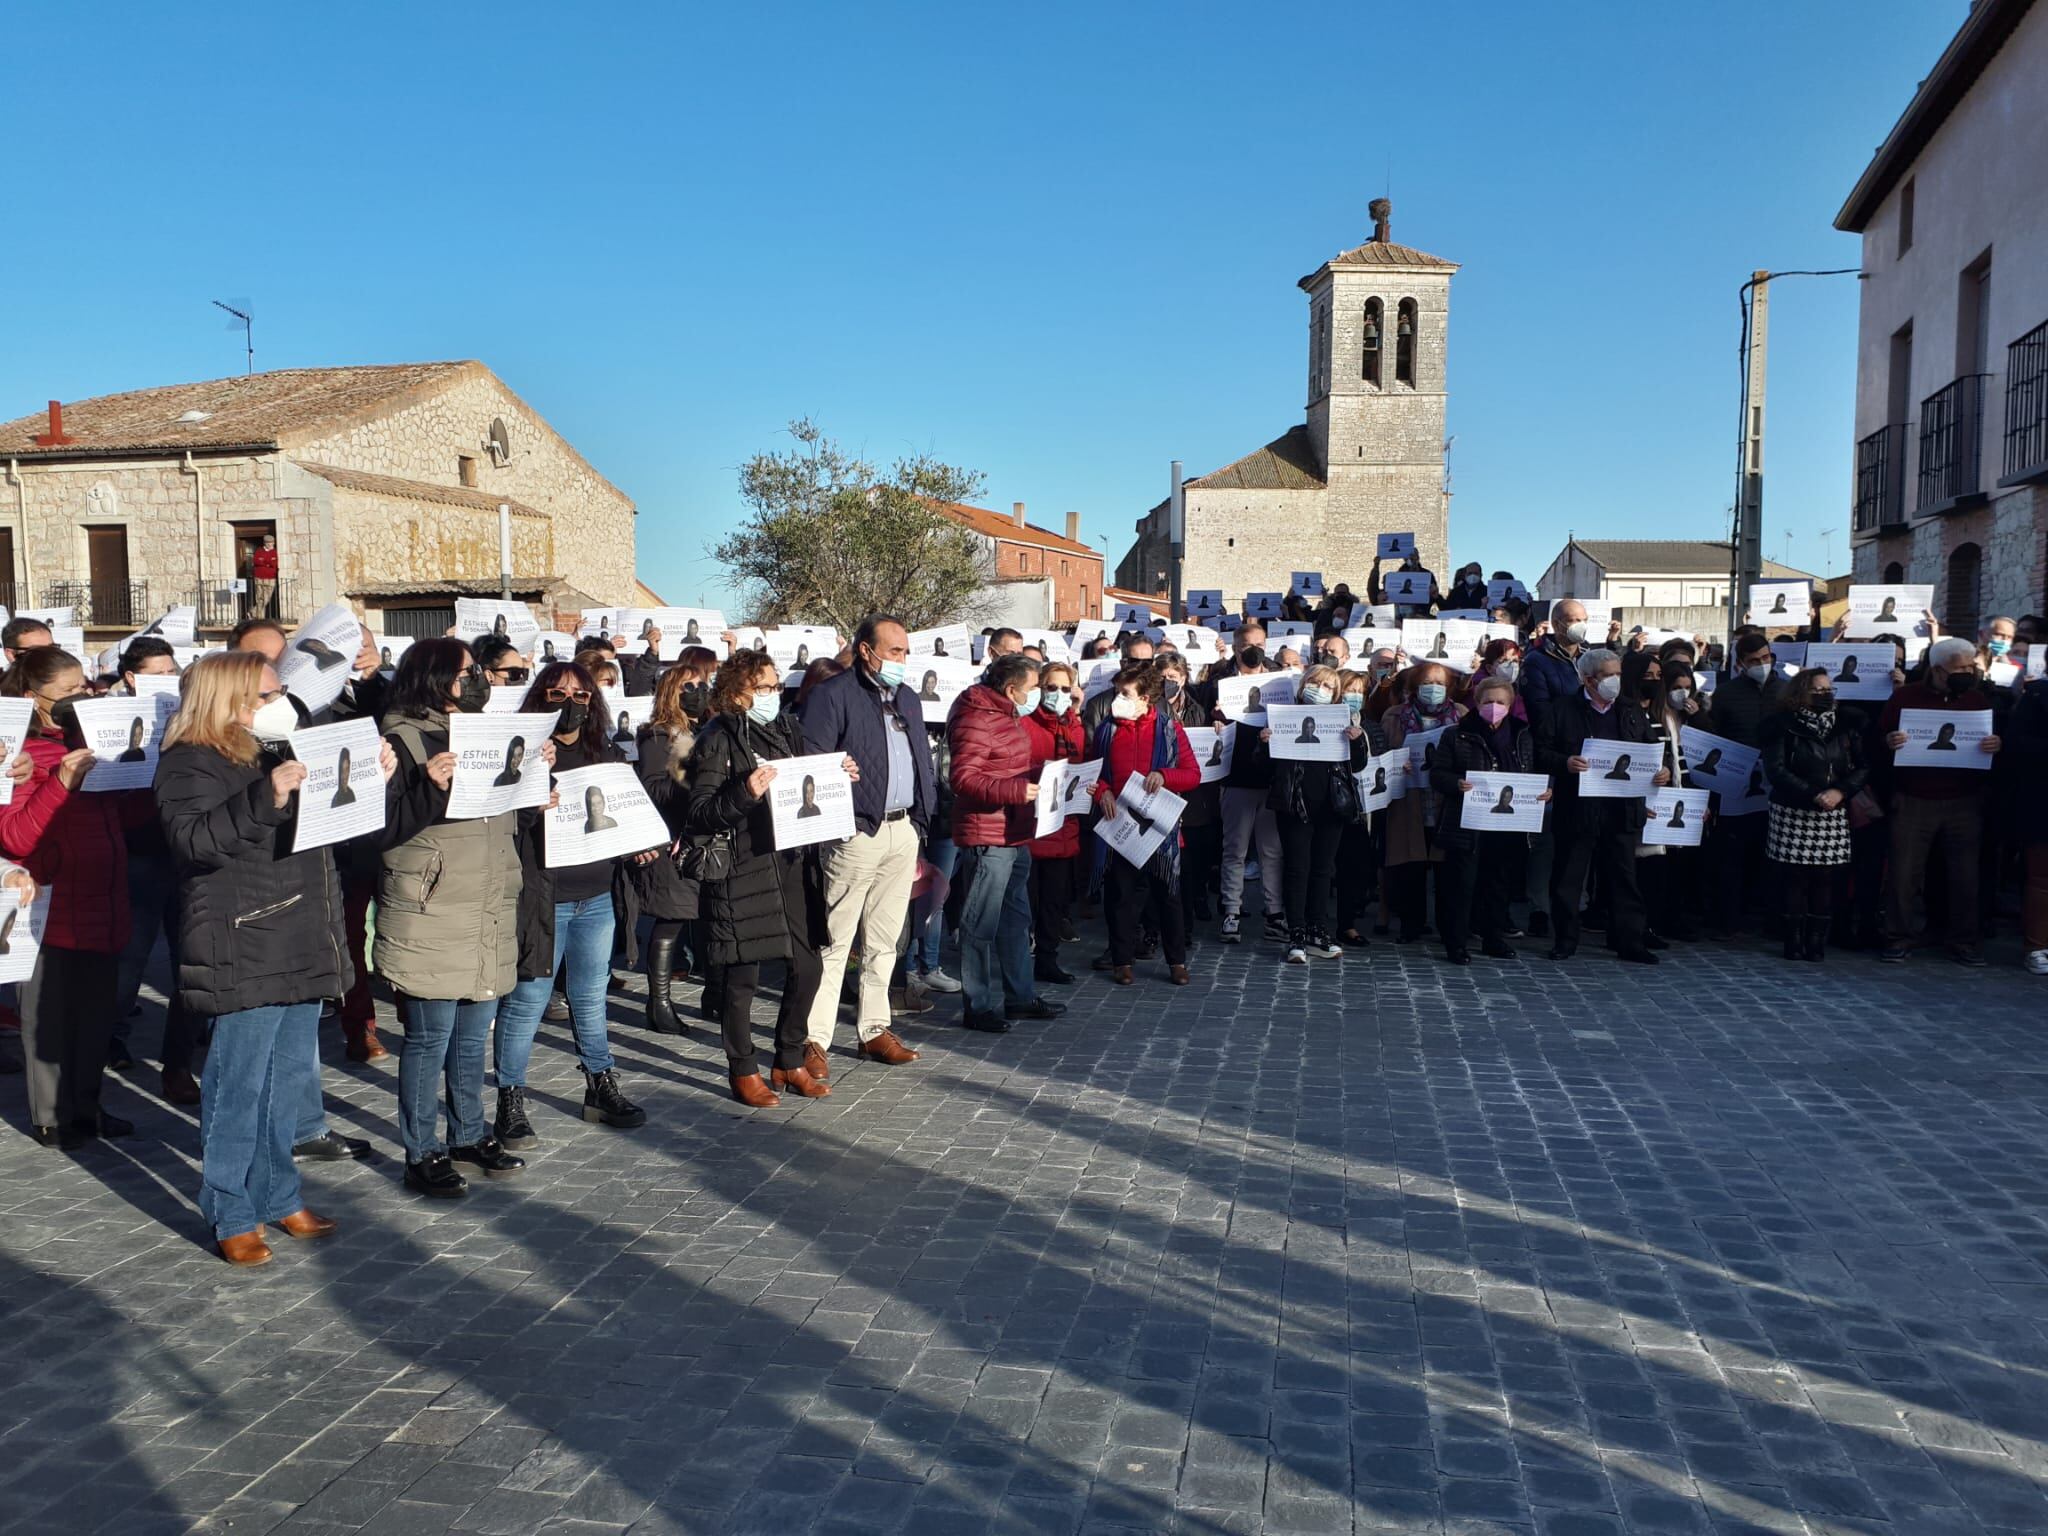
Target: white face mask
{"type": "Point", "coordinates": [1124, 707]}
{"type": "Point", "coordinates": [276, 720]}
{"type": "Point", "coordinates": [1058, 700]}
{"type": "Point", "coordinates": [1576, 634]}
{"type": "Point", "coordinates": [1315, 693]}
{"type": "Point", "coordinates": [1678, 696]}
{"type": "Point", "coordinates": [1759, 674]}
{"type": "Point", "coordinates": [1508, 671]}
{"type": "Point", "coordinates": [1608, 689]}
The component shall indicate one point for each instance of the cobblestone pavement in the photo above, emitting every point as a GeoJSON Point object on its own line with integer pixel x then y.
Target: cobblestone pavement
{"type": "Point", "coordinates": [1375, 1245]}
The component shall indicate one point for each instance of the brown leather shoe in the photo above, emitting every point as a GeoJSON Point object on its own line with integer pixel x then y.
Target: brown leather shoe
{"type": "Point", "coordinates": [303, 1223]}
{"type": "Point", "coordinates": [887, 1049]}
{"type": "Point", "coordinates": [246, 1249]}
{"type": "Point", "coordinates": [798, 1080]}
{"type": "Point", "coordinates": [362, 1043]}
{"type": "Point", "coordinates": [815, 1062]}
{"type": "Point", "coordinates": [180, 1087]}
{"type": "Point", "coordinates": [752, 1092]}
{"type": "Point", "coordinates": [1122, 976]}
{"type": "Point", "coordinates": [1179, 974]}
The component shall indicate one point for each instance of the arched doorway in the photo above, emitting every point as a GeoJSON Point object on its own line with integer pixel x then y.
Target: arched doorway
{"type": "Point", "coordinates": [1963, 607]}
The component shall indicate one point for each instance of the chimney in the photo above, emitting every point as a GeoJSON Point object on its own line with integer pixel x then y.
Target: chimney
{"type": "Point", "coordinates": [1017, 513]}
{"type": "Point", "coordinates": [54, 438]}
{"type": "Point", "coordinates": [1073, 527]}
{"type": "Point", "coordinates": [1382, 211]}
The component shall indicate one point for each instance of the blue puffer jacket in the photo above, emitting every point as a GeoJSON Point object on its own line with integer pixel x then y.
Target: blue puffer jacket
{"type": "Point", "coordinates": [1547, 676]}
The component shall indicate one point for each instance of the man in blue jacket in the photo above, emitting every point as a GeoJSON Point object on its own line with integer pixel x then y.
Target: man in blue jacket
{"type": "Point", "coordinates": [868, 713]}
{"type": "Point", "coordinates": [1550, 676]}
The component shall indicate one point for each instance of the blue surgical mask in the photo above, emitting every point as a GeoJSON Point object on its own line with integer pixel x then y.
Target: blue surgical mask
{"type": "Point", "coordinates": [1431, 696]}
{"type": "Point", "coordinates": [1030, 702]}
{"type": "Point", "coordinates": [765, 708]}
{"type": "Point", "coordinates": [1355, 702]}
{"type": "Point", "coordinates": [1058, 700]}
{"type": "Point", "coordinates": [1998, 647]}
{"type": "Point", "coordinates": [1315, 693]}
{"type": "Point", "coordinates": [891, 673]}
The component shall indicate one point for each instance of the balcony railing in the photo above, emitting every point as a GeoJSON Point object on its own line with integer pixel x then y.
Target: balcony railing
{"type": "Point", "coordinates": [101, 604]}
{"type": "Point", "coordinates": [1881, 479]}
{"type": "Point", "coordinates": [2026, 407]}
{"type": "Point", "coordinates": [1952, 445]}
{"type": "Point", "coordinates": [222, 607]}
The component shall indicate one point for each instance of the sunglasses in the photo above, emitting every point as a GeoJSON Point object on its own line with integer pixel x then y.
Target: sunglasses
{"type": "Point", "coordinates": [568, 695]}
{"type": "Point", "coordinates": [513, 674]}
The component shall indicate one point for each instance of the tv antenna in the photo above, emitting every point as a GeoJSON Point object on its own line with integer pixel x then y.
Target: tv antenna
{"type": "Point", "coordinates": [244, 315]}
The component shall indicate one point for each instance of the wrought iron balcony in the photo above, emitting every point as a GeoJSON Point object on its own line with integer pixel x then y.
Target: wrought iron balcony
{"type": "Point", "coordinates": [2026, 408]}
{"type": "Point", "coordinates": [1952, 446]}
{"type": "Point", "coordinates": [222, 607]}
{"type": "Point", "coordinates": [1881, 480]}
{"type": "Point", "coordinates": [101, 604]}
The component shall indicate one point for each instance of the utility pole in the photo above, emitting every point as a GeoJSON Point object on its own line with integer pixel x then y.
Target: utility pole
{"type": "Point", "coordinates": [1748, 553]}
{"type": "Point", "coordinates": [1176, 533]}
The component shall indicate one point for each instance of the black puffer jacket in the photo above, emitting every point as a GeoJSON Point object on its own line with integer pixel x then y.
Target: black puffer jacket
{"type": "Point", "coordinates": [1474, 748]}
{"type": "Point", "coordinates": [665, 893]}
{"type": "Point", "coordinates": [1324, 793]}
{"type": "Point", "coordinates": [1802, 764]}
{"type": "Point", "coordinates": [744, 916]}
{"type": "Point", "coordinates": [258, 925]}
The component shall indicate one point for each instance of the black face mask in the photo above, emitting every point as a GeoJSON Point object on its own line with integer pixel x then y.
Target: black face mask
{"type": "Point", "coordinates": [1960, 683]}
{"type": "Point", "coordinates": [1171, 688]}
{"type": "Point", "coordinates": [694, 698]}
{"type": "Point", "coordinates": [572, 718]}
{"type": "Point", "coordinates": [469, 699]}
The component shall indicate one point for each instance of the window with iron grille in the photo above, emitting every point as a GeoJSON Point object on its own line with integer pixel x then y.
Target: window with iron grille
{"type": "Point", "coordinates": [2026, 404]}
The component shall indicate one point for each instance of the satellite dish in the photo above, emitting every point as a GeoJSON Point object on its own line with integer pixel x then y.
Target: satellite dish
{"type": "Point", "coordinates": [499, 441]}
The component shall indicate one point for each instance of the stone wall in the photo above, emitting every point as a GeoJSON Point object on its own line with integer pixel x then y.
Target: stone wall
{"type": "Point", "coordinates": [2011, 535]}
{"type": "Point", "coordinates": [388, 538]}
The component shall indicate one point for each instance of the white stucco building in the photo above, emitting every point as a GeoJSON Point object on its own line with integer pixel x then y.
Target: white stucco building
{"type": "Point", "coordinates": [1951, 478]}
{"type": "Point", "coordinates": [1368, 459]}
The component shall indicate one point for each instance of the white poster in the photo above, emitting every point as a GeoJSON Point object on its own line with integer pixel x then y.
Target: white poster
{"type": "Point", "coordinates": [1064, 788]}
{"type": "Point", "coordinates": [390, 648]}
{"type": "Point", "coordinates": [1213, 746]}
{"type": "Point", "coordinates": [1408, 589]}
{"type": "Point", "coordinates": [1935, 738]}
{"type": "Point", "coordinates": [1780, 604]}
{"type": "Point", "coordinates": [1142, 821]}
{"type": "Point", "coordinates": [625, 716]}
{"type": "Point", "coordinates": [1503, 588]}
{"type": "Point", "coordinates": [343, 796]}
{"type": "Point", "coordinates": [1050, 642]}
{"type": "Point", "coordinates": [1618, 770]}
{"type": "Point", "coordinates": [553, 646]}
{"type": "Point", "coordinates": [55, 618]}
{"type": "Point", "coordinates": [318, 659]}
{"type": "Point", "coordinates": [602, 622]}
{"type": "Point", "coordinates": [1364, 642]}
{"type": "Point", "coordinates": [793, 647]}
{"type": "Point", "coordinates": [1287, 629]}
{"type": "Point", "coordinates": [1307, 584]}
{"type": "Point", "coordinates": [1400, 774]}
{"type": "Point", "coordinates": [938, 681]}
{"type": "Point", "coordinates": [506, 698]}
{"type": "Point", "coordinates": [1678, 818]}
{"type": "Point", "coordinates": [1198, 644]}
{"type": "Point", "coordinates": [1858, 671]}
{"type": "Point", "coordinates": [678, 627]}
{"type": "Point", "coordinates": [1262, 605]}
{"type": "Point", "coordinates": [1421, 750]}
{"type": "Point", "coordinates": [178, 626]}
{"type": "Point", "coordinates": [21, 929]}
{"type": "Point", "coordinates": [1894, 610]}
{"type": "Point", "coordinates": [123, 735]}
{"type": "Point", "coordinates": [1308, 733]}
{"type": "Point", "coordinates": [1504, 802]}
{"type": "Point", "coordinates": [498, 766]}
{"type": "Point", "coordinates": [1378, 780]}
{"type": "Point", "coordinates": [1731, 770]}
{"type": "Point", "coordinates": [810, 800]}
{"type": "Point", "coordinates": [1204, 603]}
{"type": "Point", "coordinates": [1791, 655]}
{"type": "Point", "coordinates": [69, 638]}
{"type": "Point", "coordinates": [15, 715]}
{"type": "Point", "coordinates": [603, 814]}
{"type": "Point", "coordinates": [1244, 698]}
{"type": "Point", "coordinates": [1396, 546]}
{"type": "Point", "coordinates": [953, 640]}
{"type": "Point", "coordinates": [1099, 675]}
{"type": "Point", "coordinates": [476, 617]}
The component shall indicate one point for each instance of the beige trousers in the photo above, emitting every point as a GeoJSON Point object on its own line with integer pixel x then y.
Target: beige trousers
{"type": "Point", "coordinates": [867, 893]}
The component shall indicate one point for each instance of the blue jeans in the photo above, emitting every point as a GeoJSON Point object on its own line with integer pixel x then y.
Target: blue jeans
{"type": "Point", "coordinates": [924, 953]}
{"type": "Point", "coordinates": [253, 1083]}
{"type": "Point", "coordinates": [444, 1042]}
{"type": "Point", "coordinates": [583, 936]}
{"type": "Point", "coordinates": [995, 928]}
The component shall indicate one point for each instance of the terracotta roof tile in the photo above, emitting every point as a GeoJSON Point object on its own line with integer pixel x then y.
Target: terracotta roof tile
{"type": "Point", "coordinates": [1288, 463]}
{"type": "Point", "coordinates": [1380, 253]}
{"type": "Point", "coordinates": [1669, 557]}
{"type": "Point", "coordinates": [995, 525]}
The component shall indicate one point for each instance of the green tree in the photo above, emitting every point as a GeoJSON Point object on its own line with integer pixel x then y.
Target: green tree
{"type": "Point", "coordinates": [830, 538]}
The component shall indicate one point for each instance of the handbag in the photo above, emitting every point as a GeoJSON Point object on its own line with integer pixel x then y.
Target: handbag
{"type": "Point", "coordinates": [707, 859]}
{"type": "Point", "coordinates": [1864, 810]}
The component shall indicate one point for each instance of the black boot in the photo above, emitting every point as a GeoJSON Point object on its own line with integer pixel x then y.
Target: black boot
{"type": "Point", "coordinates": [604, 1104]}
{"type": "Point", "coordinates": [1817, 938]}
{"type": "Point", "coordinates": [1795, 938]}
{"type": "Point", "coordinates": [512, 1128]}
{"type": "Point", "coordinates": [661, 1008]}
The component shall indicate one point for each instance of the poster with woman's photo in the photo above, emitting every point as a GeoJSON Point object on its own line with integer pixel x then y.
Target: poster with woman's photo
{"type": "Point", "coordinates": [1780, 604]}
{"type": "Point", "coordinates": [123, 734]}
{"type": "Point", "coordinates": [1143, 821]}
{"type": "Point", "coordinates": [793, 647]}
{"type": "Point", "coordinates": [1306, 584]}
{"type": "Point", "coordinates": [503, 617]}
{"type": "Point", "coordinates": [1729, 769]}
{"type": "Point", "coordinates": [938, 681]}
{"type": "Point", "coordinates": [1935, 738]}
{"type": "Point", "coordinates": [810, 800]}
{"type": "Point", "coordinates": [1244, 697]}
{"type": "Point", "coordinates": [552, 646]}
{"type": "Point", "coordinates": [1064, 789]}
{"type": "Point", "coordinates": [602, 622]}
{"type": "Point", "coordinates": [21, 926]}
{"type": "Point", "coordinates": [1262, 605]}
{"type": "Point", "coordinates": [390, 648]}
{"type": "Point", "coordinates": [1203, 605]}
{"type": "Point", "coordinates": [603, 814]}
{"type": "Point", "coordinates": [318, 659]}
{"type": "Point", "coordinates": [1678, 818]}
{"type": "Point", "coordinates": [1308, 733]}
{"type": "Point", "coordinates": [1421, 747]}
{"type": "Point", "coordinates": [1899, 609]}
{"type": "Point", "coordinates": [1408, 589]}
{"type": "Point", "coordinates": [1858, 671]}
{"type": "Point", "coordinates": [1396, 546]}
{"type": "Point", "coordinates": [678, 627]}
{"type": "Point", "coordinates": [1379, 781]}
{"type": "Point", "coordinates": [1213, 746]}
{"type": "Point", "coordinates": [1504, 802]}
{"type": "Point", "coordinates": [1430, 640]}
{"type": "Point", "coordinates": [951, 640]}
{"type": "Point", "coordinates": [1618, 770]}
{"type": "Point", "coordinates": [343, 796]}
{"type": "Point", "coordinates": [625, 715]}
{"type": "Point", "coordinates": [498, 766]}
{"type": "Point", "coordinates": [15, 715]}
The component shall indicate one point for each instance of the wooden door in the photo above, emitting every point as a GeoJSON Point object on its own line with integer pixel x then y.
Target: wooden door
{"type": "Point", "coordinates": [106, 547]}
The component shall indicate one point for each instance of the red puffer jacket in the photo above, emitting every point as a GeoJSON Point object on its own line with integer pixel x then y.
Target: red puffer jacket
{"type": "Point", "coordinates": [1132, 747]}
{"type": "Point", "coordinates": [1055, 736]}
{"type": "Point", "coordinates": [991, 770]}
{"type": "Point", "coordinates": [76, 845]}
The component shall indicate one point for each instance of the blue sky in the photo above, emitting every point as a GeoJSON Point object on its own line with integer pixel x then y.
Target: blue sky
{"type": "Point", "coordinates": [1055, 243]}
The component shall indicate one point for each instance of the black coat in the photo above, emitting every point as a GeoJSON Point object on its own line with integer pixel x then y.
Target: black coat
{"type": "Point", "coordinates": [665, 892]}
{"type": "Point", "coordinates": [746, 916]}
{"type": "Point", "coordinates": [1563, 730]}
{"type": "Point", "coordinates": [1473, 751]}
{"type": "Point", "coordinates": [2025, 742]}
{"type": "Point", "coordinates": [258, 925]}
{"type": "Point", "coordinates": [1322, 792]}
{"type": "Point", "coordinates": [1802, 766]}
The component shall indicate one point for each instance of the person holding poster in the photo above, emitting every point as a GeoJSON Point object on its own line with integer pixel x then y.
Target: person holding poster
{"type": "Point", "coordinates": [1248, 821]}
{"type": "Point", "coordinates": [448, 931]}
{"type": "Point", "coordinates": [1054, 729]}
{"type": "Point", "coordinates": [567, 915]}
{"type": "Point", "coordinates": [259, 946]}
{"type": "Point", "coordinates": [667, 894]}
{"type": "Point", "coordinates": [759, 903]}
{"type": "Point", "coordinates": [1602, 834]}
{"type": "Point", "coordinates": [1358, 855]}
{"type": "Point", "coordinates": [1476, 882]}
{"type": "Point", "coordinates": [1937, 811]}
{"type": "Point", "coordinates": [1422, 704]}
{"type": "Point", "coordinates": [1141, 741]}
{"type": "Point", "coordinates": [1313, 802]}
{"type": "Point", "coordinates": [1201, 825]}
{"type": "Point", "coordinates": [1814, 761]}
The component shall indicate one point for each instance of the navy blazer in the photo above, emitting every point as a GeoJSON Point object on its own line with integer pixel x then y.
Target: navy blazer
{"type": "Point", "coordinates": [844, 713]}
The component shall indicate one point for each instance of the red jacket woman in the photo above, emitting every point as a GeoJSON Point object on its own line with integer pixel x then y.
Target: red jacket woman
{"type": "Point", "coordinates": [1137, 742]}
{"type": "Point", "coordinates": [1056, 736]}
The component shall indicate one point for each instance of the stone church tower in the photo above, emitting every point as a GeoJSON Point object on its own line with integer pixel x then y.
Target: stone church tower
{"type": "Point", "coordinates": [1368, 460]}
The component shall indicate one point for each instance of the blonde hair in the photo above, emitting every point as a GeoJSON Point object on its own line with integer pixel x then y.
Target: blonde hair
{"type": "Point", "coordinates": [211, 697]}
{"type": "Point", "coordinates": [1322, 677]}
{"type": "Point", "coordinates": [1060, 667]}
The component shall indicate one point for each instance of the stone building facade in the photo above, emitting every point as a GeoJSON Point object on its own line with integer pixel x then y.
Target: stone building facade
{"type": "Point", "coordinates": [1036, 578]}
{"type": "Point", "coordinates": [1951, 463]}
{"type": "Point", "coordinates": [380, 485]}
{"type": "Point", "coordinates": [1368, 459]}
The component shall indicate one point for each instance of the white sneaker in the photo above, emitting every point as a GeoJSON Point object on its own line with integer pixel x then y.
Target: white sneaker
{"type": "Point", "coordinates": [1296, 955]}
{"type": "Point", "coordinates": [939, 981]}
{"type": "Point", "coordinates": [2037, 962]}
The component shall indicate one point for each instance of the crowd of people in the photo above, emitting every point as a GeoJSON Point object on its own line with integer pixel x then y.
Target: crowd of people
{"type": "Point", "coordinates": [478, 939]}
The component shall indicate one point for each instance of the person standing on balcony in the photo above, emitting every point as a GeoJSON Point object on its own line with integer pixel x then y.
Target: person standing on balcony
{"type": "Point", "coordinates": [263, 578]}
